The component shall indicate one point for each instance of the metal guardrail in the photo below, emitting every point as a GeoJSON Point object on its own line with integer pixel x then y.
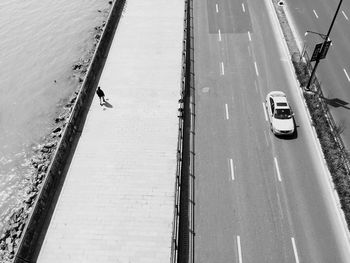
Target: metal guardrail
{"type": "Point", "coordinates": [333, 126]}
{"type": "Point", "coordinates": [182, 246]}
{"type": "Point", "coordinates": [34, 228]}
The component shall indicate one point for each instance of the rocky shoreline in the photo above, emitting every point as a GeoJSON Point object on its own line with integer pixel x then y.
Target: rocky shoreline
{"type": "Point", "coordinates": [43, 154]}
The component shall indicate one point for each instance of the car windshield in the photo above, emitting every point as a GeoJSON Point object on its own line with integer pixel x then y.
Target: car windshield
{"type": "Point", "coordinates": [283, 114]}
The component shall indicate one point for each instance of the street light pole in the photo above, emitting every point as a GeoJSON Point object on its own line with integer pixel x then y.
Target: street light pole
{"type": "Point", "coordinates": [323, 47]}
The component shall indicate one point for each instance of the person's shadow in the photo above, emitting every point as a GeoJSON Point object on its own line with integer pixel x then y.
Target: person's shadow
{"type": "Point", "coordinates": [107, 104]}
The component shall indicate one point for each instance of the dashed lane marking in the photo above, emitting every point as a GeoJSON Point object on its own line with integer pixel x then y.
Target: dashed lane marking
{"type": "Point", "coordinates": [346, 74]}
{"type": "Point", "coordinates": [278, 170]}
{"type": "Point", "coordinates": [346, 17]}
{"type": "Point", "coordinates": [295, 251]}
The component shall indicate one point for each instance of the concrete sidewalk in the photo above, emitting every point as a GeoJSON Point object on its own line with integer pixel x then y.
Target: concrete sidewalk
{"type": "Point", "coordinates": [117, 201]}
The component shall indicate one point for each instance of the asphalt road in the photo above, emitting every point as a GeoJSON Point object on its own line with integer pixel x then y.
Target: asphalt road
{"type": "Point", "coordinates": [258, 198]}
{"type": "Point", "coordinates": [334, 71]}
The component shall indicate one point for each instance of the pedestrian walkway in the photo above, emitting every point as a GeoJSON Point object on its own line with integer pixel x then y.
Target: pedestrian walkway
{"type": "Point", "coordinates": [117, 201]}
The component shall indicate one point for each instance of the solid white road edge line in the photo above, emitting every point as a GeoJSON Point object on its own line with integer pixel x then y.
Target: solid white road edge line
{"type": "Point", "coordinates": [295, 251]}
{"type": "Point", "coordinates": [232, 170]}
{"type": "Point", "coordinates": [226, 107]}
{"type": "Point", "coordinates": [222, 68]}
{"type": "Point", "coordinates": [243, 7]}
{"type": "Point", "coordinates": [346, 17]}
{"type": "Point", "coordinates": [315, 13]}
{"type": "Point", "coordinates": [239, 249]}
{"type": "Point", "coordinates": [278, 170]}
{"type": "Point", "coordinates": [264, 111]}
{"type": "Point", "coordinates": [219, 35]}
{"type": "Point", "coordinates": [346, 73]}
{"type": "Point", "coordinates": [256, 68]}
{"type": "Point", "coordinates": [334, 194]}
{"type": "Point", "coordinates": [217, 8]}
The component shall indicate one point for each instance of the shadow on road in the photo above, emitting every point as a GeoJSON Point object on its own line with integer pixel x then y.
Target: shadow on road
{"type": "Point", "coordinates": [336, 103]}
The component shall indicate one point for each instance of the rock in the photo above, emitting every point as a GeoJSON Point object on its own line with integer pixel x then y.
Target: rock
{"type": "Point", "coordinates": [8, 241]}
{"type": "Point", "coordinates": [10, 248]}
{"type": "Point", "coordinates": [41, 176]}
{"type": "Point", "coordinates": [77, 66]}
{"type": "Point", "coordinates": [50, 145]}
{"type": "Point", "coordinates": [2, 245]}
{"type": "Point", "coordinates": [58, 129]}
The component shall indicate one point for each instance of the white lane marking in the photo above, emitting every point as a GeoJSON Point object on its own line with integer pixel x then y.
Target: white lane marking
{"type": "Point", "coordinates": [239, 249]}
{"type": "Point", "coordinates": [295, 251]}
{"type": "Point", "coordinates": [315, 13]}
{"type": "Point", "coordinates": [346, 17]}
{"type": "Point", "coordinates": [217, 8]}
{"type": "Point", "coordinates": [250, 38]}
{"type": "Point", "coordinates": [278, 170]}
{"type": "Point", "coordinates": [265, 111]}
{"type": "Point", "coordinates": [232, 170]}
{"type": "Point", "coordinates": [222, 68]}
{"type": "Point", "coordinates": [227, 116]}
{"type": "Point", "coordinates": [219, 35]}
{"type": "Point", "coordinates": [243, 7]}
{"type": "Point", "coordinates": [256, 68]}
{"type": "Point", "coordinates": [346, 73]}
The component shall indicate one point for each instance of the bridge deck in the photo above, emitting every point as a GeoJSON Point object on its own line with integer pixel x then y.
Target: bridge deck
{"type": "Point", "coordinates": [116, 203]}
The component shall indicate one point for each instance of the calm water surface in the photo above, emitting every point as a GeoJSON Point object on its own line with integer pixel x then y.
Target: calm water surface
{"type": "Point", "coordinates": [39, 42]}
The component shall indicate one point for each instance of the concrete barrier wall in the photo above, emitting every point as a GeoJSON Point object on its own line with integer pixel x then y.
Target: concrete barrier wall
{"type": "Point", "coordinates": [36, 226]}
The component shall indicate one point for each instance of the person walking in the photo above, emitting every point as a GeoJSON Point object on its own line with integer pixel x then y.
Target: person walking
{"type": "Point", "coordinates": [101, 95]}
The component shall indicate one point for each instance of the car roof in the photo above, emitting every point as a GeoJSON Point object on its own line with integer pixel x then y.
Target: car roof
{"type": "Point", "coordinates": [280, 99]}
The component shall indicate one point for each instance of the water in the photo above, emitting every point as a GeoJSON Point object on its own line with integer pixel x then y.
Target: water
{"type": "Point", "coordinates": [39, 42]}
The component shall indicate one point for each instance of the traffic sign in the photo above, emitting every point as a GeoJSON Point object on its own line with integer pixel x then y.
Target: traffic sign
{"type": "Point", "coordinates": [325, 49]}
{"type": "Point", "coordinates": [316, 52]}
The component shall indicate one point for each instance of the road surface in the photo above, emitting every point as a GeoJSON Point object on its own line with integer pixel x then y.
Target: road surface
{"type": "Point", "coordinates": [334, 71]}
{"type": "Point", "coordinates": [258, 198]}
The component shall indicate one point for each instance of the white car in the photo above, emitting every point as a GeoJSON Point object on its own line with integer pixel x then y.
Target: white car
{"type": "Point", "coordinates": [279, 113]}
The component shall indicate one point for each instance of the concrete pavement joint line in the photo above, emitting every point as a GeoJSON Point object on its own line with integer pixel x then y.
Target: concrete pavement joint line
{"type": "Point", "coordinates": [266, 140]}
{"type": "Point", "coordinates": [217, 8]}
{"type": "Point", "coordinates": [219, 35]}
{"type": "Point", "coordinates": [345, 15]}
{"type": "Point", "coordinates": [315, 13]}
{"type": "Point", "coordinates": [222, 68]}
{"type": "Point", "coordinates": [250, 38]}
{"type": "Point", "coordinates": [256, 68]}
{"type": "Point", "coordinates": [226, 107]}
{"type": "Point", "coordinates": [346, 73]}
{"type": "Point", "coordinates": [232, 170]}
{"type": "Point", "coordinates": [243, 7]}
{"type": "Point", "coordinates": [295, 251]}
{"type": "Point", "coordinates": [239, 249]}
{"type": "Point", "coordinates": [256, 86]}
{"type": "Point", "coordinates": [278, 170]}
{"type": "Point", "coordinates": [264, 111]}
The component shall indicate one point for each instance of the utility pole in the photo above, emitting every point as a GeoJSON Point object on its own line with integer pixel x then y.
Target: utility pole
{"type": "Point", "coordinates": [323, 48]}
